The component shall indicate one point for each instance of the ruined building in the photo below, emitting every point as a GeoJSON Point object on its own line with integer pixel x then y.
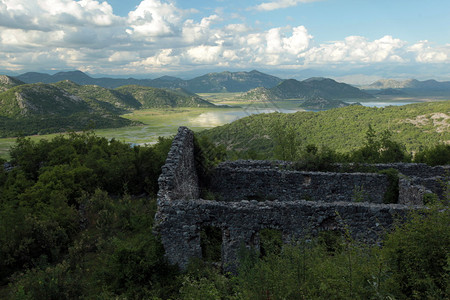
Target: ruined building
{"type": "Point", "coordinates": [254, 195]}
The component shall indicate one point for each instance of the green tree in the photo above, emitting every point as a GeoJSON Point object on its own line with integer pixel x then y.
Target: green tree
{"type": "Point", "coordinates": [437, 155]}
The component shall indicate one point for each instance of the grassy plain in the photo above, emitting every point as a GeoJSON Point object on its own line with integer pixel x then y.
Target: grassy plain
{"type": "Point", "coordinates": [156, 122]}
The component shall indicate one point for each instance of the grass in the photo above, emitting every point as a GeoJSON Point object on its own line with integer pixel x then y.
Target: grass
{"type": "Point", "coordinates": [157, 122]}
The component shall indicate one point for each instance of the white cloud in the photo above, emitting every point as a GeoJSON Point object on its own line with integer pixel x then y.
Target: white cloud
{"type": "Point", "coordinates": [153, 18]}
{"type": "Point", "coordinates": [357, 49]}
{"type": "Point", "coordinates": [199, 33]}
{"type": "Point", "coordinates": [30, 38]}
{"type": "Point", "coordinates": [274, 5]}
{"type": "Point", "coordinates": [45, 15]}
{"type": "Point", "coordinates": [204, 54]}
{"type": "Point", "coordinates": [158, 35]}
{"type": "Point", "coordinates": [424, 53]}
{"type": "Point", "coordinates": [164, 57]}
{"type": "Point", "coordinates": [275, 46]}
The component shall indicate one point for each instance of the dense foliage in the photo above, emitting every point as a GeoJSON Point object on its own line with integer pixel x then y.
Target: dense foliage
{"type": "Point", "coordinates": [343, 130]}
{"type": "Point", "coordinates": [53, 123]}
{"type": "Point", "coordinates": [76, 218]}
{"type": "Point", "coordinates": [49, 184]}
{"type": "Point", "coordinates": [150, 97]}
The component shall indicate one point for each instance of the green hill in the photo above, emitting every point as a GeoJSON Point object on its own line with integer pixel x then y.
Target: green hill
{"type": "Point", "coordinates": [322, 104]}
{"type": "Point", "coordinates": [39, 99]}
{"type": "Point", "coordinates": [150, 97]}
{"type": "Point", "coordinates": [100, 97]}
{"type": "Point", "coordinates": [46, 108]}
{"type": "Point", "coordinates": [342, 129]}
{"type": "Point", "coordinates": [316, 91]}
{"type": "Point", "coordinates": [43, 108]}
{"type": "Point", "coordinates": [259, 94]}
{"type": "Point", "coordinates": [7, 82]}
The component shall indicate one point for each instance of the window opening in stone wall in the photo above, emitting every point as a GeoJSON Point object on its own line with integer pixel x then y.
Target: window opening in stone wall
{"type": "Point", "coordinates": [211, 243]}
{"type": "Point", "coordinates": [270, 241]}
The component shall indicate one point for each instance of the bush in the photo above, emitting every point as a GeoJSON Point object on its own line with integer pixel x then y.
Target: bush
{"type": "Point", "coordinates": [417, 255]}
{"type": "Point", "coordinates": [437, 155]}
{"type": "Point", "coordinates": [53, 282]}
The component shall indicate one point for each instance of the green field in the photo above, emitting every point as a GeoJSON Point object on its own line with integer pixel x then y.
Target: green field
{"type": "Point", "coordinates": [156, 122]}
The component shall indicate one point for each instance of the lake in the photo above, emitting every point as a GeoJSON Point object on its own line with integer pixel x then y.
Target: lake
{"type": "Point", "coordinates": [217, 117]}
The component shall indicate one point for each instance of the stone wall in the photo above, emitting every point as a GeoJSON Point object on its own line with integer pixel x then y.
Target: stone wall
{"type": "Point", "coordinates": [241, 222]}
{"type": "Point", "coordinates": [263, 181]}
{"type": "Point", "coordinates": [182, 215]}
{"type": "Point", "coordinates": [178, 179]}
{"type": "Point", "coordinates": [416, 170]}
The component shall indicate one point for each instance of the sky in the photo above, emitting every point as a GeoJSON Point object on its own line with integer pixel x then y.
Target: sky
{"type": "Point", "coordinates": [354, 40]}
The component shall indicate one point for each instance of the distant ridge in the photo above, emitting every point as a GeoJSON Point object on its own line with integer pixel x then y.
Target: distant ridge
{"type": "Point", "coordinates": [208, 83]}
{"type": "Point", "coordinates": [409, 84]}
{"type": "Point", "coordinates": [312, 89]}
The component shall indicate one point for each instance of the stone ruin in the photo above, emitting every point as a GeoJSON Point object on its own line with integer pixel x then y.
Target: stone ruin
{"type": "Point", "coordinates": [254, 195]}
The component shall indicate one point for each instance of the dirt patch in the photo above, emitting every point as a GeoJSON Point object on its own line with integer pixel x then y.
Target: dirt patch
{"type": "Point", "coordinates": [440, 121]}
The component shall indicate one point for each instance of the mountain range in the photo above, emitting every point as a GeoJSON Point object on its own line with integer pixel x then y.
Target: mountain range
{"type": "Point", "coordinates": [409, 84]}
{"type": "Point", "coordinates": [229, 82]}
{"type": "Point", "coordinates": [209, 83]}
{"type": "Point", "coordinates": [409, 87]}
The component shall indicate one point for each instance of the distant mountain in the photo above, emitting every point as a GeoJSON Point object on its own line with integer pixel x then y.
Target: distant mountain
{"type": "Point", "coordinates": [409, 84]}
{"type": "Point", "coordinates": [80, 78]}
{"type": "Point", "coordinates": [35, 77]}
{"type": "Point", "coordinates": [209, 83]}
{"type": "Point", "coordinates": [149, 97]}
{"type": "Point", "coordinates": [316, 88]}
{"type": "Point", "coordinates": [7, 82]}
{"type": "Point", "coordinates": [390, 92]}
{"type": "Point", "coordinates": [231, 82]}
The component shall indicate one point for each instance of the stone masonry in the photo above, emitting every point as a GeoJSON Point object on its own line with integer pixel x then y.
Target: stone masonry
{"type": "Point", "coordinates": [254, 195]}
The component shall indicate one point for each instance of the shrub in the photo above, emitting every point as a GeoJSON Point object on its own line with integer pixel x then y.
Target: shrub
{"type": "Point", "coordinates": [437, 155]}
{"type": "Point", "coordinates": [417, 254]}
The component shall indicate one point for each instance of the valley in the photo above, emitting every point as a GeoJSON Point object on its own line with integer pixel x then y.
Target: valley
{"type": "Point", "coordinates": [165, 121]}
{"type": "Point", "coordinates": [143, 110]}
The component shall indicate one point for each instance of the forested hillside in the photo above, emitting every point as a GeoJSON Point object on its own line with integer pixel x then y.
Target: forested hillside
{"type": "Point", "coordinates": [309, 89]}
{"type": "Point", "coordinates": [76, 222]}
{"type": "Point", "coordinates": [415, 126]}
{"type": "Point", "coordinates": [149, 97]}
{"type": "Point", "coordinates": [100, 97]}
{"type": "Point", "coordinates": [41, 108]}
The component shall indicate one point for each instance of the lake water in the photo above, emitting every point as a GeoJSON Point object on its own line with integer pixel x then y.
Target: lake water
{"type": "Point", "coordinates": [205, 119]}
{"type": "Point", "coordinates": [218, 117]}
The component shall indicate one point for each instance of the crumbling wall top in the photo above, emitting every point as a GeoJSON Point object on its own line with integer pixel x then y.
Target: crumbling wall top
{"type": "Point", "coordinates": [178, 179]}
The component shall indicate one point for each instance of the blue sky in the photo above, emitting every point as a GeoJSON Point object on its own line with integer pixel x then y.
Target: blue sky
{"type": "Point", "coordinates": [351, 40]}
